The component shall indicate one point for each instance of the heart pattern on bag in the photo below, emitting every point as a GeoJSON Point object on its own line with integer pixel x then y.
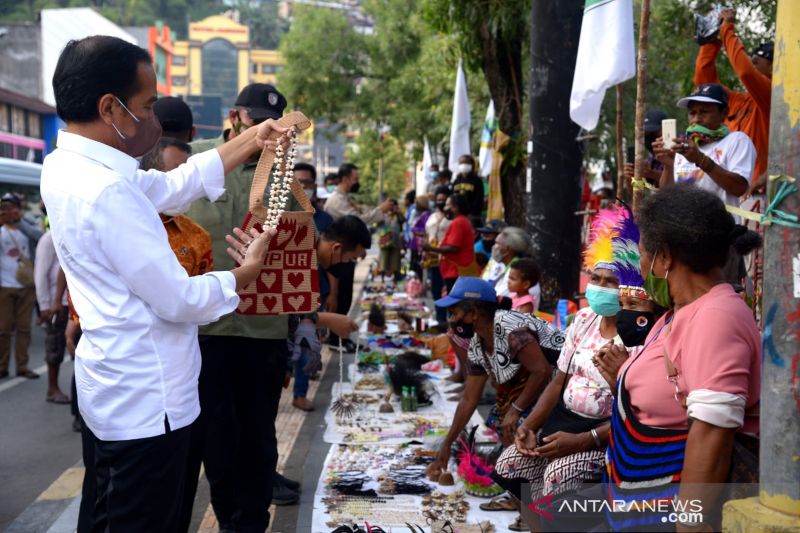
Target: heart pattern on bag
{"type": "Point", "coordinates": [296, 301]}
{"type": "Point", "coordinates": [245, 303]}
{"type": "Point", "coordinates": [300, 235]}
{"type": "Point", "coordinates": [268, 279]}
{"type": "Point", "coordinates": [282, 238]}
{"type": "Point", "coordinates": [296, 279]}
{"type": "Point", "coordinates": [269, 302]}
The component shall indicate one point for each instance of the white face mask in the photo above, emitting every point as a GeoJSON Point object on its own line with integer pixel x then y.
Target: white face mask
{"type": "Point", "coordinates": [174, 213]}
{"type": "Point", "coordinates": [464, 168]}
{"type": "Point", "coordinates": [310, 193]}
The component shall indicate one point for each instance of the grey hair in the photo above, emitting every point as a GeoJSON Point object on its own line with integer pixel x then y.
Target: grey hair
{"type": "Point", "coordinates": [517, 240]}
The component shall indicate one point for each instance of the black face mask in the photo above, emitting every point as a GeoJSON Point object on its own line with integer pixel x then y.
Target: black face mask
{"type": "Point", "coordinates": [633, 326]}
{"type": "Point", "coordinates": [440, 206]}
{"type": "Point", "coordinates": [462, 329]}
{"type": "Point", "coordinates": [355, 187]}
{"type": "Point", "coordinates": [448, 214]}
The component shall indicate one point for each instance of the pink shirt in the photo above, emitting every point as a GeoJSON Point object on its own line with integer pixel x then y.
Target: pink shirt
{"type": "Point", "coordinates": [715, 345]}
{"type": "Point", "coordinates": [519, 301]}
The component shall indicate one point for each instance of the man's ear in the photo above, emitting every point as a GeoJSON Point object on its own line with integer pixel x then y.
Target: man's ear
{"type": "Point", "coordinates": [192, 133]}
{"type": "Point", "coordinates": [105, 107]}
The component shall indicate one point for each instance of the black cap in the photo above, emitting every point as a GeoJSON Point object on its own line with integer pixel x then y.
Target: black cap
{"type": "Point", "coordinates": [765, 50]}
{"type": "Point", "coordinates": [652, 120]}
{"type": "Point", "coordinates": [493, 226]}
{"type": "Point", "coordinates": [11, 197]}
{"type": "Point", "coordinates": [262, 101]}
{"type": "Point", "coordinates": [173, 113]}
{"type": "Point", "coordinates": [708, 92]}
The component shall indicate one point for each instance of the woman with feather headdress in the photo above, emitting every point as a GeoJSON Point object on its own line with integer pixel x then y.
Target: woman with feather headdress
{"type": "Point", "coordinates": [562, 442]}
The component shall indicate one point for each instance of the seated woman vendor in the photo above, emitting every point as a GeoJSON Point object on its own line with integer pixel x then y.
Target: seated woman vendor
{"type": "Point", "coordinates": [561, 444]}
{"type": "Point", "coordinates": [513, 349]}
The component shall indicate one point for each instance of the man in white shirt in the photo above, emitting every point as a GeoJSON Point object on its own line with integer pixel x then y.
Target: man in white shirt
{"type": "Point", "coordinates": [138, 359]}
{"type": "Point", "coordinates": [53, 312]}
{"type": "Point", "coordinates": [711, 157]}
{"type": "Point", "coordinates": [17, 299]}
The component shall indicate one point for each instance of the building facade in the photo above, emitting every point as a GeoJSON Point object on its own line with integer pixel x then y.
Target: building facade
{"type": "Point", "coordinates": [216, 62]}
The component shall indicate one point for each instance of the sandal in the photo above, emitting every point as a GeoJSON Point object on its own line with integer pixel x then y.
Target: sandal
{"type": "Point", "coordinates": [499, 503]}
{"type": "Point", "coordinates": [519, 525]}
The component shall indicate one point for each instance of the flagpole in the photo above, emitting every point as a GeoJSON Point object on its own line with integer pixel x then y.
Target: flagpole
{"type": "Point", "coordinates": [620, 160]}
{"type": "Point", "coordinates": [641, 96]}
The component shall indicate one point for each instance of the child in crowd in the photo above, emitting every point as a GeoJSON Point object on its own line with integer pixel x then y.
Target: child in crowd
{"type": "Point", "coordinates": [523, 275]}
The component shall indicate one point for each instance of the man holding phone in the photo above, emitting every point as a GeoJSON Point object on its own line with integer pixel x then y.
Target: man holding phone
{"type": "Point", "coordinates": [710, 156]}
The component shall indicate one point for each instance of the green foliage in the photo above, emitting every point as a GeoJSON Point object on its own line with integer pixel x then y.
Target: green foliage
{"type": "Point", "coordinates": [671, 56]}
{"type": "Point", "coordinates": [366, 154]}
{"type": "Point", "coordinates": [266, 27]}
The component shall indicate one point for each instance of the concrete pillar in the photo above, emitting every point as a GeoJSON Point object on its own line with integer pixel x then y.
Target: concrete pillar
{"type": "Point", "coordinates": [778, 506]}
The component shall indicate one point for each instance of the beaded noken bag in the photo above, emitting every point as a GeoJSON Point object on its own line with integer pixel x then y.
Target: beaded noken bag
{"type": "Point", "coordinates": [289, 281]}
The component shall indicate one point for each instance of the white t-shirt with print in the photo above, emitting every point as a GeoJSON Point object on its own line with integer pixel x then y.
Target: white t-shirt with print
{"type": "Point", "coordinates": [13, 243]}
{"type": "Point", "coordinates": [735, 153]}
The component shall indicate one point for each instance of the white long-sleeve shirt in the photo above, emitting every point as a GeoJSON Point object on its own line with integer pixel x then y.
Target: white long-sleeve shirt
{"type": "Point", "coordinates": [138, 360]}
{"type": "Point", "coordinates": [45, 272]}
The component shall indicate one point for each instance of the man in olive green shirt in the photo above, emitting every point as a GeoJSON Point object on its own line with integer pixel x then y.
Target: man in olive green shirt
{"type": "Point", "coordinates": [244, 360]}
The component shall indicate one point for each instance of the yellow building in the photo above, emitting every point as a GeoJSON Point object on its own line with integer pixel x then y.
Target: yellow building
{"type": "Point", "coordinates": [218, 60]}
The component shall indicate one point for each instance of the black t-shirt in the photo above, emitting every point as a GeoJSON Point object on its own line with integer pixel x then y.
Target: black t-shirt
{"type": "Point", "coordinates": [470, 186]}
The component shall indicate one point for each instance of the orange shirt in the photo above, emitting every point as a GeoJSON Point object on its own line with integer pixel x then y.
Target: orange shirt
{"type": "Point", "coordinates": [190, 242]}
{"type": "Point", "coordinates": [748, 111]}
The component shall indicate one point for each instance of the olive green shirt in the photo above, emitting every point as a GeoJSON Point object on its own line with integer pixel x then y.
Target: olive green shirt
{"type": "Point", "coordinates": [219, 218]}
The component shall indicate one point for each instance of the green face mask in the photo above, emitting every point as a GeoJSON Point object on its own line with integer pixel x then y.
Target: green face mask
{"type": "Point", "coordinates": [658, 288]}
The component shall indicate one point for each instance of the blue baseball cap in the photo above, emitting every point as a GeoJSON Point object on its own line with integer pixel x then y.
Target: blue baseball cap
{"type": "Point", "coordinates": [468, 289]}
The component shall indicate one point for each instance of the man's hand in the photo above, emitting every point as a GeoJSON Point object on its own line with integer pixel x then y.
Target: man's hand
{"type": "Point", "coordinates": [561, 444]}
{"type": "Point", "coordinates": [249, 249]}
{"type": "Point", "coordinates": [70, 334]}
{"type": "Point", "coordinates": [264, 131]}
{"type": "Point", "coordinates": [689, 150]}
{"type": "Point", "coordinates": [628, 172]}
{"type": "Point", "coordinates": [727, 15]}
{"type": "Point", "coordinates": [341, 325]}
{"type": "Point", "coordinates": [387, 206]}
{"type": "Point", "coordinates": [508, 427]}
{"type": "Point", "coordinates": [665, 156]}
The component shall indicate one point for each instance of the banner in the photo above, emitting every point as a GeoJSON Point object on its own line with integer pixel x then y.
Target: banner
{"type": "Point", "coordinates": [487, 136]}
{"type": "Point", "coordinates": [459, 128]}
{"type": "Point", "coordinates": [606, 57]}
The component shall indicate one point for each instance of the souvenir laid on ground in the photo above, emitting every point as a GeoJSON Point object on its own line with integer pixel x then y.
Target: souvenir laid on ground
{"type": "Point", "coordinates": [441, 506]}
{"type": "Point", "coordinates": [343, 406]}
{"type": "Point", "coordinates": [473, 469]}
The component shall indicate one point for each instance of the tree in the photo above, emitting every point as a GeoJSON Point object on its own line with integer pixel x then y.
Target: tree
{"type": "Point", "coordinates": [491, 35]}
{"type": "Point", "coordinates": [366, 153]}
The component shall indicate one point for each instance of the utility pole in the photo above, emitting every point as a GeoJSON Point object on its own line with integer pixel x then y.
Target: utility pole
{"type": "Point", "coordinates": [553, 181]}
{"type": "Point", "coordinates": [777, 508]}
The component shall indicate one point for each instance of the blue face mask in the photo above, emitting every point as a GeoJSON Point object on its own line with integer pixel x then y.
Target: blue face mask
{"type": "Point", "coordinates": [603, 300]}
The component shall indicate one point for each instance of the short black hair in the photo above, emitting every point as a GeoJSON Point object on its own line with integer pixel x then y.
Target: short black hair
{"type": "Point", "coordinates": [694, 226]}
{"type": "Point", "coordinates": [528, 268]}
{"type": "Point", "coordinates": [349, 231]}
{"type": "Point", "coordinates": [460, 201]}
{"type": "Point", "coordinates": [92, 67]}
{"type": "Point", "coordinates": [154, 160]}
{"type": "Point", "coordinates": [446, 173]}
{"type": "Point", "coordinates": [346, 169]}
{"type": "Point", "coordinates": [411, 196]}
{"type": "Point", "coordinates": [333, 176]}
{"type": "Point", "coordinates": [308, 167]}
{"type": "Point", "coordinates": [442, 189]}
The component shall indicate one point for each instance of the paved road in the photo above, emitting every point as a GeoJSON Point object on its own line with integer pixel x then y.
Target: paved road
{"type": "Point", "coordinates": [36, 440]}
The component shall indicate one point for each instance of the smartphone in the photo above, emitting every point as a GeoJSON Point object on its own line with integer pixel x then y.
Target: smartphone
{"type": "Point", "coordinates": [631, 154]}
{"type": "Point", "coordinates": [668, 132]}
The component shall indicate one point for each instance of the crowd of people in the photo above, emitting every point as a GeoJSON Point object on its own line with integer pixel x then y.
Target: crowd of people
{"type": "Point", "coordinates": [647, 389]}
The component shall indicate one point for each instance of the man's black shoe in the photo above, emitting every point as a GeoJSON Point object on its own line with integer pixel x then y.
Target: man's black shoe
{"type": "Point", "coordinates": [349, 346]}
{"type": "Point", "coordinates": [292, 484]}
{"type": "Point", "coordinates": [283, 495]}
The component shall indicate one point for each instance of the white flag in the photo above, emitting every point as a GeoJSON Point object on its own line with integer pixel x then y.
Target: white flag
{"type": "Point", "coordinates": [427, 161]}
{"type": "Point", "coordinates": [485, 153]}
{"type": "Point", "coordinates": [606, 57]}
{"type": "Point", "coordinates": [459, 128]}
